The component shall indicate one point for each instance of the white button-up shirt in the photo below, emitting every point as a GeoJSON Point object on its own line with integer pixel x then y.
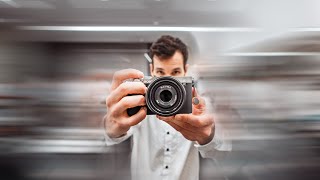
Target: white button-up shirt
{"type": "Point", "coordinates": [161, 152]}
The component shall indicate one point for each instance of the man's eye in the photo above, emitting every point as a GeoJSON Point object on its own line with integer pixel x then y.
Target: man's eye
{"type": "Point", "coordinates": [160, 72]}
{"type": "Point", "coordinates": [176, 72]}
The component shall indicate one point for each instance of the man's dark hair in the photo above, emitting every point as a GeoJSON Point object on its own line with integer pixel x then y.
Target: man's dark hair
{"type": "Point", "coordinates": [166, 46]}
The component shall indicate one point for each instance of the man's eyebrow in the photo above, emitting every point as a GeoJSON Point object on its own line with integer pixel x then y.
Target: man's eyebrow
{"type": "Point", "coordinates": [176, 69]}
{"type": "Point", "coordinates": [159, 69]}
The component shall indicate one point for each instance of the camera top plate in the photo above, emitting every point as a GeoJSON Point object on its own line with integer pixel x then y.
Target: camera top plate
{"type": "Point", "coordinates": [148, 79]}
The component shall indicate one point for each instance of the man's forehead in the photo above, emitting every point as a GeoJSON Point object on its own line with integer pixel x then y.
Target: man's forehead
{"type": "Point", "coordinates": [175, 60]}
{"type": "Point", "coordinates": [168, 66]}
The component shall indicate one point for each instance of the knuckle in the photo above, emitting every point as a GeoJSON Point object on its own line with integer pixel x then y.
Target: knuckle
{"type": "Point", "coordinates": [144, 112]}
{"type": "Point", "coordinates": [108, 102]}
{"type": "Point", "coordinates": [141, 86]}
{"type": "Point", "coordinates": [111, 112]}
{"type": "Point", "coordinates": [124, 102]}
{"type": "Point", "coordinates": [123, 87]}
{"type": "Point", "coordinates": [142, 99]}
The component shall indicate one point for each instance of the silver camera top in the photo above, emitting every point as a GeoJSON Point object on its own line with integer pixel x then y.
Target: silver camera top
{"type": "Point", "coordinates": [149, 79]}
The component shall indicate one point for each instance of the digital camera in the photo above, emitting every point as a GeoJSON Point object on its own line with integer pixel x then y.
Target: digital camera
{"type": "Point", "coordinates": [166, 96]}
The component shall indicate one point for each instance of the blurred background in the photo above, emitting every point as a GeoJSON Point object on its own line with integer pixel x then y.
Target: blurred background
{"type": "Point", "coordinates": [57, 58]}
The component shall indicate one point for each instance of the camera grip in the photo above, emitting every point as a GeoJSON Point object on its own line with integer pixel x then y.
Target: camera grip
{"type": "Point", "coordinates": [133, 111]}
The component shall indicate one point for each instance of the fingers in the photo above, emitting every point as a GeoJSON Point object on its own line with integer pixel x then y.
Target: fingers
{"type": "Point", "coordinates": [189, 121]}
{"type": "Point", "coordinates": [180, 123]}
{"type": "Point", "coordinates": [196, 121]}
{"type": "Point", "coordinates": [129, 102]}
{"type": "Point", "coordinates": [137, 118]}
{"type": "Point", "coordinates": [198, 103]}
{"type": "Point", "coordinates": [122, 75]}
{"type": "Point", "coordinates": [125, 89]}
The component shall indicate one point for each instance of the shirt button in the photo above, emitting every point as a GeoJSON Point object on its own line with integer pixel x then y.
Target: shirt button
{"type": "Point", "coordinates": [167, 167]}
{"type": "Point", "coordinates": [168, 132]}
{"type": "Point", "coordinates": [167, 149]}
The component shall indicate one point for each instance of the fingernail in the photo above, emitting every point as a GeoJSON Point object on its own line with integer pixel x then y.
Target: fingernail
{"type": "Point", "coordinates": [196, 101]}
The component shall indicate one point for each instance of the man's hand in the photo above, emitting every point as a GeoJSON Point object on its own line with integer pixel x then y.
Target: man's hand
{"type": "Point", "coordinates": [117, 121]}
{"type": "Point", "coordinates": [198, 126]}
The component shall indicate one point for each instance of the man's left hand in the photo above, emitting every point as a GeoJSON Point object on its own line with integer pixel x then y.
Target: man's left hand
{"type": "Point", "coordinates": [198, 126]}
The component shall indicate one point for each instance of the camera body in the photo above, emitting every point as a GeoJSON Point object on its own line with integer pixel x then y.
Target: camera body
{"type": "Point", "coordinates": [166, 96]}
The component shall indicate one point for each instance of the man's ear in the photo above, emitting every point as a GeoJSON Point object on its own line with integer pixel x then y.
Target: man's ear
{"type": "Point", "coordinates": [186, 67]}
{"type": "Point", "coordinates": [151, 69]}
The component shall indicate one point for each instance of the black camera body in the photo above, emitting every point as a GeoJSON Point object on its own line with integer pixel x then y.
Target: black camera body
{"type": "Point", "coordinates": [166, 96]}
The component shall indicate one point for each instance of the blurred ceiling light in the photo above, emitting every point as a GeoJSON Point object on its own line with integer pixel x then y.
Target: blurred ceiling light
{"type": "Point", "coordinates": [138, 28]}
{"type": "Point", "coordinates": [2, 20]}
{"type": "Point", "coordinates": [272, 54]}
{"type": "Point", "coordinates": [11, 3]}
{"type": "Point", "coordinates": [310, 29]}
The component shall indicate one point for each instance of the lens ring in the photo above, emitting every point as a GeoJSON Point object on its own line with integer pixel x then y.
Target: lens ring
{"type": "Point", "coordinates": [171, 92]}
{"type": "Point", "coordinates": [150, 96]}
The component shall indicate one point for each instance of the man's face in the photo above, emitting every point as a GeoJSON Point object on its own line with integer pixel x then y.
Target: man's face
{"type": "Point", "coordinates": [172, 66]}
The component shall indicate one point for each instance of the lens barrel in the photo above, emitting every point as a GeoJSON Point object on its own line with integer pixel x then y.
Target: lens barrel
{"type": "Point", "coordinates": [165, 96]}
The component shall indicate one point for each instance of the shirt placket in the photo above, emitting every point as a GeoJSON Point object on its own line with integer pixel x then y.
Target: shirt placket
{"type": "Point", "coordinates": [168, 138]}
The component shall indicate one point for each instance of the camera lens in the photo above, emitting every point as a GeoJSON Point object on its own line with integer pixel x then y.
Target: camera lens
{"type": "Point", "coordinates": [165, 96]}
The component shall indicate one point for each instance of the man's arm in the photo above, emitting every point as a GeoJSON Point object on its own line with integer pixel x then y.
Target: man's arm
{"type": "Point", "coordinates": [112, 141]}
{"type": "Point", "coordinates": [117, 123]}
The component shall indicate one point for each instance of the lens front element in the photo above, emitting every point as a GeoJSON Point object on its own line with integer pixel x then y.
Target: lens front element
{"type": "Point", "coordinates": [166, 96]}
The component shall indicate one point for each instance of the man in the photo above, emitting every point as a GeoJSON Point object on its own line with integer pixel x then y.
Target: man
{"type": "Point", "coordinates": [163, 147]}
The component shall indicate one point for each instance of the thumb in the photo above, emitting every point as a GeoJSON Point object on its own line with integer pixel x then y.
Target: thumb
{"type": "Point", "coordinates": [198, 103]}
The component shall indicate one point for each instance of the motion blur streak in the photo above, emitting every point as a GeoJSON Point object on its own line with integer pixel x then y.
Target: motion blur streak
{"type": "Point", "coordinates": [260, 57]}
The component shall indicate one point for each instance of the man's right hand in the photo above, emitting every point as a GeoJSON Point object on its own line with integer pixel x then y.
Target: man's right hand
{"type": "Point", "coordinates": [117, 121]}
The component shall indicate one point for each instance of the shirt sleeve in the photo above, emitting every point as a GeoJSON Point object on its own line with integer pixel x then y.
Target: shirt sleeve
{"type": "Point", "coordinates": [112, 141]}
